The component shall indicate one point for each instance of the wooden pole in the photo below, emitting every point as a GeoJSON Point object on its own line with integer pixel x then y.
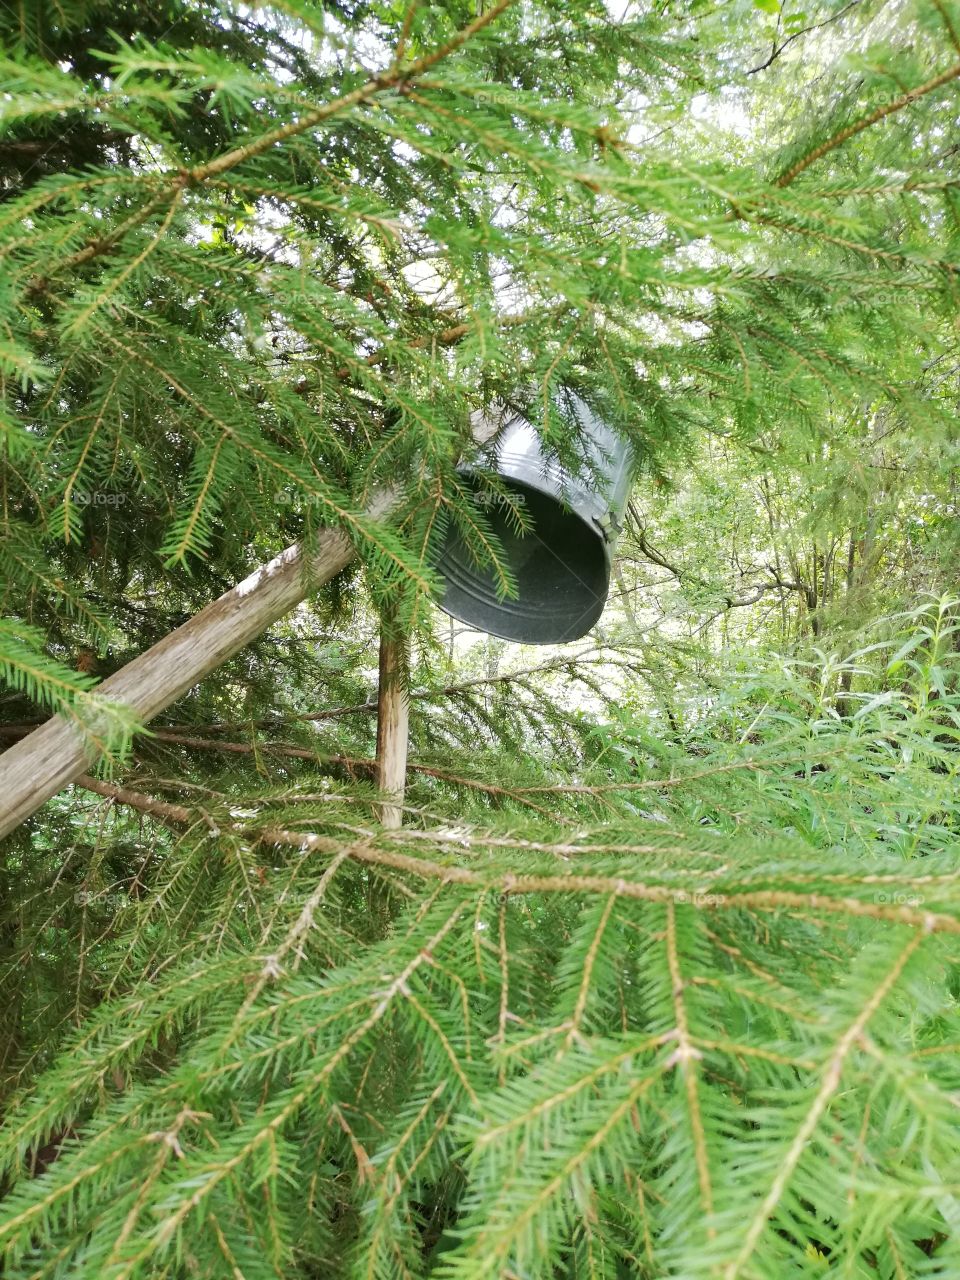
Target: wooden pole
{"type": "Point", "coordinates": [393, 712]}
{"type": "Point", "coordinates": [55, 754]}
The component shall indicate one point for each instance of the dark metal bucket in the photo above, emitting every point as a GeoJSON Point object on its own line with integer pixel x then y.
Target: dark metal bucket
{"type": "Point", "coordinates": [561, 565]}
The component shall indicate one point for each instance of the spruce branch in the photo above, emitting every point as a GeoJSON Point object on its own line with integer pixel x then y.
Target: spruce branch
{"type": "Point", "coordinates": [709, 894]}
{"type": "Point", "coordinates": [395, 77]}
{"type": "Point", "coordinates": [832, 1077]}
{"type": "Point", "coordinates": [881, 113]}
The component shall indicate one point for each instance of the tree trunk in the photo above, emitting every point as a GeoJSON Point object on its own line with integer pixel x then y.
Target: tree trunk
{"type": "Point", "coordinates": [393, 711]}
{"type": "Point", "coordinates": [53, 755]}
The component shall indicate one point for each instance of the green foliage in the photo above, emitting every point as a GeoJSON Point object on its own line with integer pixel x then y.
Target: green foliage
{"type": "Point", "coordinates": [660, 976]}
{"type": "Point", "coordinates": [717, 1039]}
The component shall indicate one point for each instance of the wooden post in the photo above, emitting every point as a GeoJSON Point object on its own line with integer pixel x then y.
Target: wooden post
{"type": "Point", "coordinates": [393, 711]}
{"type": "Point", "coordinates": [55, 754]}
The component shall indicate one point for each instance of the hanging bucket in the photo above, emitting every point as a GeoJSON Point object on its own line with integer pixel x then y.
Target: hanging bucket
{"type": "Point", "coordinates": [561, 564]}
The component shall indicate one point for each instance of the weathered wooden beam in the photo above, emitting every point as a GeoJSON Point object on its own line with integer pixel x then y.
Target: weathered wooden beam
{"type": "Point", "coordinates": [43, 762]}
{"type": "Point", "coordinates": [393, 714]}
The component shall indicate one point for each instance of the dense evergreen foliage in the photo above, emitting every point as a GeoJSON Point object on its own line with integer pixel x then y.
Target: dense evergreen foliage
{"type": "Point", "coordinates": [660, 976]}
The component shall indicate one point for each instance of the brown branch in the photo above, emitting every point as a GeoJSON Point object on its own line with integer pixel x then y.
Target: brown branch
{"type": "Point", "coordinates": [445, 338]}
{"type": "Point", "coordinates": [19, 729]}
{"type": "Point", "coordinates": [396, 77]}
{"type": "Point", "coordinates": [177, 813]}
{"type": "Point", "coordinates": [103, 244]}
{"type": "Point", "coordinates": [851, 130]}
{"type": "Point", "coordinates": [353, 764]}
{"type": "Point", "coordinates": [816, 26]}
{"type": "Point", "coordinates": [364, 765]}
{"type": "Point", "coordinates": [652, 554]}
{"type": "Point", "coordinates": [42, 147]}
{"type": "Point", "coordinates": [509, 793]}
{"type": "Point", "coordinates": [507, 882]}
{"type": "Point", "coordinates": [948, 23]}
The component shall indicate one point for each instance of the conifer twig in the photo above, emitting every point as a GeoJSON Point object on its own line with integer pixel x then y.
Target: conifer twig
{"type": "Point", "coordinates": [517, 883]}
{"type": "Point", "coordinates": [881, 113]}
{"type": "Point", "coordinates": [394, 77]}
{"type": "Point", "coordinates": [828, 1087]}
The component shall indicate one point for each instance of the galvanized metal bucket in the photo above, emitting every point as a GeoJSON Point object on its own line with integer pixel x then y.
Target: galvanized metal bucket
{"type": "Point", "coordinates": [561, 565]}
